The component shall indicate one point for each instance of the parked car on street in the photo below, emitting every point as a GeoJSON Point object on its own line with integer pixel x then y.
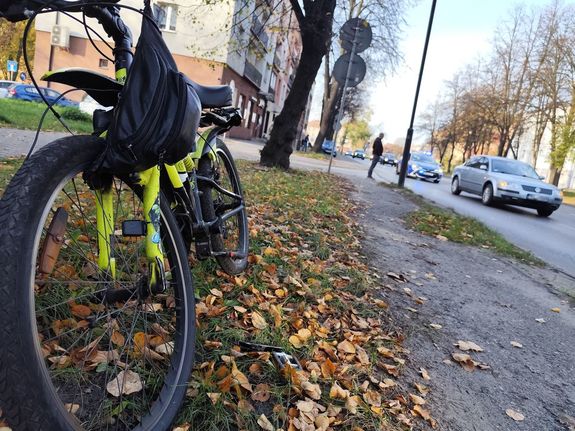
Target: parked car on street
{"type": "Point", "coordinates": [4, 88]}
{"type": "Point", "coordinates": [29, 93]}
{"type": "Point", "coordinates": [88, 105]}
{"type": "Point", "coordinates": [348, 153]}
{"type": "Point", "coordinates": [422, 166]}
{"type": "Point", "coordinates": [498, 179]}
{"type": "Point", "coordinates": [388, 159]}
{"type": "Point", "coordinates": [329, 147]}
{"type": "Point", "coordinates": [360, 154]}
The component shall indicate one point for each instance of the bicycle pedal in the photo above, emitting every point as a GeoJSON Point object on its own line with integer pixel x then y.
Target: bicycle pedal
{"type": "Point", "coordinates": [283, 360]}
{"type": "Point", "coordinates": [133, 228]}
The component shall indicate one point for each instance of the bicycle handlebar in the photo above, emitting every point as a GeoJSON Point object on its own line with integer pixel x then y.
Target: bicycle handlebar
{"type": "Point", "coordinates": [107, 15]}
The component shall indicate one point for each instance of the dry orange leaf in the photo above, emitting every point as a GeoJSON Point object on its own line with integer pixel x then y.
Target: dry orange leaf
{"type": "Point", "coordinates": [338, 393]}
{"type": "Point", "coordinates": [312, 390]}
{"type": "Point", "coordinates": [468, 345]}
{"type": "Point", "coordinates": [214, 397]}
{"type": "Point", "coordinates": [372, 398]}
{"type": "Point", "coordinates": [80, 310]}
{"type": "Point", "coordinates": [416, 399]}
{"type": "Point", "coordinates": [328, 369]}
{"type": "Point", "coordinates": [117, 338]}
{"type": "Point", "coordinates": [351, 404]}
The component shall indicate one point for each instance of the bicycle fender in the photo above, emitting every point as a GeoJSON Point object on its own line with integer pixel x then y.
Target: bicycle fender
{"type": "Point", "coordinates": [102, 88]}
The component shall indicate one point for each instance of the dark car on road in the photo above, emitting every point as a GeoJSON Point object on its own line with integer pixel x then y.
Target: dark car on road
{"type": "Point", "coordinates": [388, 159]}
{"type": "Point", "coordinates": [29, 93]}
{"type": "Point", "coordinates": [498, 179]}
{"type": "Point", "coordinates": [329, 147]}
{"type": "Point", "coordinates": [360, 154]}
{"type": "Point", "coordinates": [422, 166]}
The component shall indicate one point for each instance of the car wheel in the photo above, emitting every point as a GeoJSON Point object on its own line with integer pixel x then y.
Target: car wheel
{"type": "Point", "coordinates": [487, 195]}
{"type": "Point", "coordinates": [455, 190]}
{"type": "Point", "coordinates": [544, 212]}
{"type": "Point", "coordinates": [436, 181]}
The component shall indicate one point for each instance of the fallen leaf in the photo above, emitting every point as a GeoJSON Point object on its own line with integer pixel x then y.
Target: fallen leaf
{"type": "Point", "coordinates": [424, 374]}
{"type": "Point", "coordinates": [351, 404]}
{"type": "Point", "coordinates": [435, 325]}
{"type": "Point", "coordinates": [117, 338]}
{"type": "Point", "coordinates": [265, 424]}
{"type": "Point", "coordinates": [468, 345]}
{"type": "Point", "coordinates": [214, 397]}
{"type": "Point", "coordinates": [423, 390]}
{"type": "Point", "coordinates": [80, 310]}
{"type": "Point", "coordinates": [72, 408]}
{"type": "Point", "coordinates": [321, 423]}
{"type": "Point", "coordinates": [258, 321]}
{"type": "Point", "coordinates": [416, 399]}
{"type": "Point", "coordinates": [422, 412]}
{"type": "Point", "coordinates": [556, 310]}
{"type": "Point", "coordinates": [126, 383]}
{"type": "Point", "coordinates": [516, 344]}
{"type": "Point", "coordinates": [516, 416]}
{"type": "Point", "coordinates": [441, 237]}
{"type": "Point", "coordinates": [346, 347]}
{"type": "Point", "coordinates": [312, 390]}
{"type": "Point", "coordinates": [540, 320]}
{"type": "Point", "coordinates": [328, 369]}
{"type": "Point", "coordinates": [338, 393]}
{"type": "Point", "coordinates": [261, 393]}
{"type": "Point", "coordinates": [465, 361]}
{"type": "Point", "coordinates": [372, 398]}
{"type": "Point", "coordinates": [295, 341]}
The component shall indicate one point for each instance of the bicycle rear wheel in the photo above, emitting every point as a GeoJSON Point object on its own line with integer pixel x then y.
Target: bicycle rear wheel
{"type": "Point", "coordinates": [82, 349]}
{"type": "Point", "coordinates": [233, 238]}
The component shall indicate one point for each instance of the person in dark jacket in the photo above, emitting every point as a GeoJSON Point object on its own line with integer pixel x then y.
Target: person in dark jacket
{"type": "Point", "coordinates": [376, 152]}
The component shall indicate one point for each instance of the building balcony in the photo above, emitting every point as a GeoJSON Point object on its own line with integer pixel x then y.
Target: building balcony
{"type": "Point", "coordinates": [259, 32]}
{"type": "Point", "coordinates": [253, 74]}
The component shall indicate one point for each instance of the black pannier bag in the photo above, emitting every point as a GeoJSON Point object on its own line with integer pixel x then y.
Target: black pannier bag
{"type": "Point", "coordinates": [158, 112]}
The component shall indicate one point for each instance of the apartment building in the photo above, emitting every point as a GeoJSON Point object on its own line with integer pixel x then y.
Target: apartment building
{"type": "Point", "coordinates": [252, 45]}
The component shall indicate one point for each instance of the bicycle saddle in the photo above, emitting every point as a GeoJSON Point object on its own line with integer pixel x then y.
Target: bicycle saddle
{"type": "Point", "coordinates": [215, 96]}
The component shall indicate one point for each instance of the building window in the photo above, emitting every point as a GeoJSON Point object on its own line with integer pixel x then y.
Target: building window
{"type": "Point", "coordinates": [103, 63]}
{"type": "Point", "coordinates": [166, 16]}
{"type": "Point", "coordinates": [273, 81]}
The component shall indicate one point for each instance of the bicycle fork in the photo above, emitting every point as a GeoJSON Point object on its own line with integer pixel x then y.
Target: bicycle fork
{"type": "Point", "coordinates": [150, 182]}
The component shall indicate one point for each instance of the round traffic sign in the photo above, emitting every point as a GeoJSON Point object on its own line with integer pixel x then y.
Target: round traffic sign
{"type": "Point", "coordinates": [356, 71]}
{"type": "Point", "coordinates": [358, 28]}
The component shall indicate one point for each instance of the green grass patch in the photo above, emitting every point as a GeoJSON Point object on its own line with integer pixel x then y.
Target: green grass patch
{"type": "Point", "coordinates": [569, 197]}
{"type": "Point", "coordinates": [312, 155]}
{"type": "Point", "coordinates": [435, 221]}
{"type": "Point", "coordinates": [20, 114]}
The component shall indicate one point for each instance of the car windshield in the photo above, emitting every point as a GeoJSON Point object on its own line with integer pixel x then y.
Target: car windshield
{"type": "Point", "coordinates": [513, 167]}
{"type": "Point", "coordinates": [359, 151]}
{"type": "Point", "coordinates": [422, 158]}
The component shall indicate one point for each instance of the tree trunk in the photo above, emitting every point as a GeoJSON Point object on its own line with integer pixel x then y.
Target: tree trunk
{"type": "Point", "coordinates": [328, 114]}
{"type": "Point", "coordinates": [315, 27]}
{"type": "Point", "coordinates": [554, 175]}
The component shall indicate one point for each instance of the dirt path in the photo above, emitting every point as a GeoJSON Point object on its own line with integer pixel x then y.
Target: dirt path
{"type": "Point", "coordinates": [476, 296]}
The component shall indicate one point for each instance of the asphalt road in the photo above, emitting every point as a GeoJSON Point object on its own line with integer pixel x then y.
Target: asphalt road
{"type": "Point", "coordinates": [551, 239]}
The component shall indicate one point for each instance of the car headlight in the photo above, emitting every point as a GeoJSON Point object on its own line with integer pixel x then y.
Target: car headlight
{"type": "Point", "coordinates": [502, 184]}
{"type": "Point", "coordinates": [439, 171]}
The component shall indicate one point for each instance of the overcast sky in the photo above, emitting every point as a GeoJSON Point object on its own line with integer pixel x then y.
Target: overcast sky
{"type": "Point", "coordinates": [462, 30]}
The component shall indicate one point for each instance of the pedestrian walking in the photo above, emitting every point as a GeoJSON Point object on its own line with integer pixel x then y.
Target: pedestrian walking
{"type": "Point", "coordinates": [376, 152]}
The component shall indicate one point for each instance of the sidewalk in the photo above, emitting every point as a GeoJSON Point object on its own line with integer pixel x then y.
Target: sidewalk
{"type": "Point", "coordinates": [472, 294]}
{"type": "Point", "coordinates": [17, 142]}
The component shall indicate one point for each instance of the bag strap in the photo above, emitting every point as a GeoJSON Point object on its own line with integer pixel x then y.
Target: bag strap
{"type": "Point", "coordinates": [148, 8]}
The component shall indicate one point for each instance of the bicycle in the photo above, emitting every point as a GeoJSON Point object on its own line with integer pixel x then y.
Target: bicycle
{"type": "Point", "coordinates": [98, 327]}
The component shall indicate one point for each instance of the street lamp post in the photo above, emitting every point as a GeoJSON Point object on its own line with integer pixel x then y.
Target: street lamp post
{"type": "Point", "coordinates": [409, 137]}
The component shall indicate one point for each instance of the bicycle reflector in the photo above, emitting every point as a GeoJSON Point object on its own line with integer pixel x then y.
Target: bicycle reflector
{"type": "Point", "coordinates": [53, 241]}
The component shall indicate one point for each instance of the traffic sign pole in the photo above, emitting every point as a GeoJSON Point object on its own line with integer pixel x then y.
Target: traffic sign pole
{"type": "Point", "coordinates": [342, 100]}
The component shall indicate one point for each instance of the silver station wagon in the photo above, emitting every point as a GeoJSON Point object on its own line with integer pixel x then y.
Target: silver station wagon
{"type": "Point", "coordinates": [498, 179]}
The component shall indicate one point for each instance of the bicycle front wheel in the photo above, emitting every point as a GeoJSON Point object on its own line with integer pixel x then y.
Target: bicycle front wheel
{"type": "Point", "coordinates": [86, 347]}
{"type": "Point", "coordinates": [230, 242]}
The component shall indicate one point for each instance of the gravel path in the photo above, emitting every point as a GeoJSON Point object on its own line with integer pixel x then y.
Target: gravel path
{"type": "Point", "coordinates": [476, 296]}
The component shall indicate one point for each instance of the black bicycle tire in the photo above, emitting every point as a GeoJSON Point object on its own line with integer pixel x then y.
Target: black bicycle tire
{"type": "Point", "coordinates": [27, 401]}
{"type": "Point", "coordinates": [229, 264]}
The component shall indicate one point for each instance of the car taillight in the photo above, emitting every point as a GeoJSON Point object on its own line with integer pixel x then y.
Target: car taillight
{"type": "Point", "coordinates": [12, 92]}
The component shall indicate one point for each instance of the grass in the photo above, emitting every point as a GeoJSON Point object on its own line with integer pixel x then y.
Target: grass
{"type": "Point", "coordinates": [313, 155]}
{"type": "Point", "coordinates": [20, 114]}
{"type": "Point", "coordinates": [446, 224]}
{"type": "Point", "coordinates": [569, 197]}
{"type": "Point", "coordinates": [306, 273]}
